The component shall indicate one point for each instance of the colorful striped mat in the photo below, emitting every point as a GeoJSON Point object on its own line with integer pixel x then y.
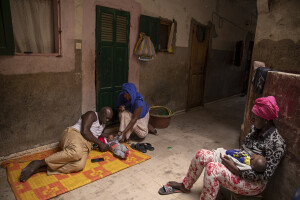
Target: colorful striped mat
{"type": "Point", "coordinates": [40, 186]}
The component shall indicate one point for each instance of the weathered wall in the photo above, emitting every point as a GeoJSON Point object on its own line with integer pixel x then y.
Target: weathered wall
{"type": "Point", "coordinates": [282, 55]}
{"type": "Point", "coordinates": [229, 20]}
{"type": "Point", "coordinates": [40, 94]}
{"type": "Point", "coordinates": [277, 44]}
{"type": "Point", "coordinates": [163, 80]}
{"type": "Point", "coordinates": [223, 79]}
{"type": "Point", "coordinates": [277, 39]}
{"type": "Point", "coordinates": [36, 108]}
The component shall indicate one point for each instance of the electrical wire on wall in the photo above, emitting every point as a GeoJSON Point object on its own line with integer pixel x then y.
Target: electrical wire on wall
{"type": "Point", "coordinates": [222, 19]}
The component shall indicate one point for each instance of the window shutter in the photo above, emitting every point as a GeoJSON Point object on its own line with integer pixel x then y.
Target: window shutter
{"type": "Point", "coordinates": [107, 20]}
{"type": "Point", "coordinates": [121, 29]}
{"type": "Point", "coordinates": [151, 26]}
{"type": "Point", "coordinates": [7, 46]}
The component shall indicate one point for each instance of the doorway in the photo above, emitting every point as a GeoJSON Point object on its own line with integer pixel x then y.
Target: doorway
{"type": "Point", "coordinates": [249, 48]}
{"type": "Point", "coordinates": [112, 38]}
{"type": "Point", "coordinates": [199, 51]}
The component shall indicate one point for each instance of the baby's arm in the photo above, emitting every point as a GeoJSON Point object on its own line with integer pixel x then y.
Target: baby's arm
{"type": "Point", "coordinates": [118, 137]}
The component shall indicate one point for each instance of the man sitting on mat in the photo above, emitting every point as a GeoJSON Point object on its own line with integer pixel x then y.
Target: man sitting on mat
{"type": "Point", "coordinates": [75, 144]}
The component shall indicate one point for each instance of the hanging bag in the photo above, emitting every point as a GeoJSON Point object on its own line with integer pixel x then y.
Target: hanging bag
{"type": "Point", "coordinates": [144, 47]}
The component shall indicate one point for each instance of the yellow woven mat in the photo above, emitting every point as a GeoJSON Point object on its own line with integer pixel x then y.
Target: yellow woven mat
{"type": "Point", "coordinates": [41, 186]}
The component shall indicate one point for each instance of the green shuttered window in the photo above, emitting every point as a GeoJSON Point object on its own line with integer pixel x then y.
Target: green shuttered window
{"type": "Point", "coordinates": [151, 27]}
{"type": "Point", "coordinates": [6, 32]}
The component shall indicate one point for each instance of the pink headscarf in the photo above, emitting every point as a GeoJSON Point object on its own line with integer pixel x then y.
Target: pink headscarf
{"type": "Point", "coordinates": [266, 108]}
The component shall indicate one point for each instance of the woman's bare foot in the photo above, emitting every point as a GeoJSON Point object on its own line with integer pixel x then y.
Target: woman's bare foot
{"type": "Point", "coordinates": [32, 168]}
{"type": "Point", "coordinates": [178, 186]}
{"type": "Point", "coordinates": [152, 130]}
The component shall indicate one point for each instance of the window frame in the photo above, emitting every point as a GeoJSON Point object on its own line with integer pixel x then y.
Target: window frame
{"type": "Point", "coordinates": [56, 30]}
{"type": "Point", "coordinates": [149, 25]}
{"type": "Point", "coordinates": [167, 23]}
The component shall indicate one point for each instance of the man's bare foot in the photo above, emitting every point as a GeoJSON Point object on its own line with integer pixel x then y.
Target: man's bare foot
{"type": "Point", "coordinates": [32, 168]}
{"type": "Point", "coordinates": [178, 186]}
{"type": "Point", "coordinates": [41, 169]}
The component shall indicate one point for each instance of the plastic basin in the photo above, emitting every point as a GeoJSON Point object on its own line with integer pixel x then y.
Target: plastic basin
{"type": "Point", "coordinates": [160, 116]}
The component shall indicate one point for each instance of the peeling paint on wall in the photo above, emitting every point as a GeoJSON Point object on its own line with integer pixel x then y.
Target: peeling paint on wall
{"type": "Point", "coordinates": [36, 108]}
{"type": "Point", "coordinates": [282, 55]}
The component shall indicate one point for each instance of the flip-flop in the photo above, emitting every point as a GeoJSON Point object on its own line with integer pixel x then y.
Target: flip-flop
{"type": "Point", "coordinates": [140, 147]}
{"type": "Point", "coordinates": [133, 146]}
{"type": "Point", "coordinates": [148, 146]}
{"type": "Point", "coordinates": [166, 189]}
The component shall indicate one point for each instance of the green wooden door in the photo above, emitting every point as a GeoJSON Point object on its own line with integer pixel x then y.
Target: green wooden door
{"type": "Point", "coordinates": [112, 36]}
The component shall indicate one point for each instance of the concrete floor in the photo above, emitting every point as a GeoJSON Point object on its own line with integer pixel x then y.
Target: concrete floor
{"type": "Point", "coordinates": [216, 125]}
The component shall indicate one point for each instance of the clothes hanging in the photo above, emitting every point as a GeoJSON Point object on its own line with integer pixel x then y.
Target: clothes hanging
{"type": "Point", "coordinates": [259, 79]}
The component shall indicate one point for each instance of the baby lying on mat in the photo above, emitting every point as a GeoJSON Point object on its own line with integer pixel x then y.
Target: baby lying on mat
{"type": "Point", "coordinates": [118, 149]}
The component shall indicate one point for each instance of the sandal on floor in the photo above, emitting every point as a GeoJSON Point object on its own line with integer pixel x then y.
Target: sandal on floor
{"type": "Point", "coordinates": [140, 147]}
{"type": "Point", "coordinates": [148, 146]}
{"type": "Point", "coordinates": [166, 189]}
{"type": "Point", "coordinates": [133, 146]}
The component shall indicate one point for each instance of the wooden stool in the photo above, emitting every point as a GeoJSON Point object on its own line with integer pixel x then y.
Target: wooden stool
{"type": "Point", "coordinates": [229, 195]}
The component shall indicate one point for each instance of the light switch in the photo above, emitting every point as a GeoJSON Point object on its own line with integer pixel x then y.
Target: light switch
{"type": "Point", "coordinates": [78, 45]}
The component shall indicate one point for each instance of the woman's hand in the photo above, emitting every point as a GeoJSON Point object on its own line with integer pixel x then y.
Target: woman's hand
{"type": "Point", "coordinates": [121, 108]}
{"type": "Point", "coordinates": [229, 164]}
{"type": "Point", "coordinates": [135, 116]}
{"type": "Point", "coordinates": [123, 137]}
{"type": "Point", "coordinates": [226, 161]}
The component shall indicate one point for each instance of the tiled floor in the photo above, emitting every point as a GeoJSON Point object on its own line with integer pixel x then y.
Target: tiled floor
{"type": "Point", "coordinates": [216, 125]}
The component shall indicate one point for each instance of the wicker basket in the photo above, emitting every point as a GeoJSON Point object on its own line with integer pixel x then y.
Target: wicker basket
{"type": "Point", "coordinates": [160, 116]}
